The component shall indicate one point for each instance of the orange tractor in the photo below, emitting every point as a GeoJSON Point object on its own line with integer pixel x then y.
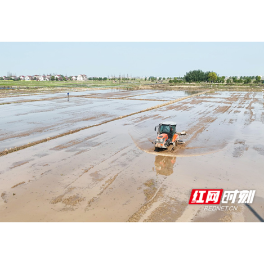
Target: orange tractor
{"type": "Point", "coordinates": [167, 136]}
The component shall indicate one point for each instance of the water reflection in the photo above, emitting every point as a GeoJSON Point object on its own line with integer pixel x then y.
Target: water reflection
{"type": "Point", "coordinates": [164, 165]}
{"type": "Point", "coordinates": [190, 92]}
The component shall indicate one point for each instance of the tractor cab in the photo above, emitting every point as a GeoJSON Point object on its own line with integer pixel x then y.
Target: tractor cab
{"type": "Point", "coordinates": [168, 129]}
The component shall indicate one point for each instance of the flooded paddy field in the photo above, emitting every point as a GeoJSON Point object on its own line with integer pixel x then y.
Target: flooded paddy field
{"type": "Point", "coordinates": [109, 171]}
{"type": "Point", "coordinates": [25, 96]}
{"type": "Point", "coordinates": [27, 122]}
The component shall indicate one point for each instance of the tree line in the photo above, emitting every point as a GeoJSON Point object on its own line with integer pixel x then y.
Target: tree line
{"type": "Point", "coordinates": [198, 76]}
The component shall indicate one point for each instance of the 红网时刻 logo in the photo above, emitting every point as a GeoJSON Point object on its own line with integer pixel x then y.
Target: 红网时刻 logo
{"type": "Point", "coordinates": [215, 196]}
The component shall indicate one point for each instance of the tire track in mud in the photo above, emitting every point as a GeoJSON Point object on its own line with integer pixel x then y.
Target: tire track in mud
{"type": "Point", "coordinates": [108, 181]}
{"type": "Point", "coordinates": [75, 142]}
{"type": "Point", "coordinates": [5, 152]}
{"type": "Point", "coordinates": [92, 166]}
{"type": "Point", "coordinates": [104, 186]}
{"type": "Point", "coordinates": [147, 205]}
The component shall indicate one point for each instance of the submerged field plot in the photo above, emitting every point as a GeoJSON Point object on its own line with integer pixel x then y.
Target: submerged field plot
{"type": "Point", "coordinates": [109, 171]}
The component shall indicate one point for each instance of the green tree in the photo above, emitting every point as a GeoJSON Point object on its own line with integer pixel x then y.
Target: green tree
{"type": "Point", "coordinates": [258, 79]}
{"type": "Point", "coordinates": [228, 80]}
{"type": "Point", "coordinates": [212, 77]}
{"type": "Point", "coordinates": [152, 78]}
{"type": "Point", "coordinates": [240, 80]}
{"type": "Point", "coordinates": [52, 78]}
{"type": "Point", "coordinates": [234, 79]}
{"type": "Point", "coordinates": [247, 80]}
{"type": "Point", "coordinates": [195, 76]}
{"type": "Point", "coordinates": [220, 79]}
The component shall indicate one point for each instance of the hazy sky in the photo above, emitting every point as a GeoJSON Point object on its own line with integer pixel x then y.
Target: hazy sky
{"type": "Point", "coordinates": [166, 59]}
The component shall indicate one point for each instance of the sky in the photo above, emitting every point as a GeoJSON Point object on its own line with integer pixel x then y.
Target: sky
{"type": "Point", "coordinates": [161, 59]}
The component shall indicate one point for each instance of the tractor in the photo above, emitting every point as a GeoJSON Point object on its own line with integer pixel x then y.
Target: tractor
{"type": "Point", "coordinates": [167, 136]}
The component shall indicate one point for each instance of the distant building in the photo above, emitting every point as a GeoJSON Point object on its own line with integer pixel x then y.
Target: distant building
{"type": "Point", "coordinates": [42, 78]}
{"type": "Point", "coordinates": [22, 77]}
{"type": "Point", "coordinates": [58, 76]}
{"type": "Point", "coordinates": [28, 78]}
{"type": "Point", "coordinates": [36, 77]}
{"type": "Point", "coordinates": [81, 77]}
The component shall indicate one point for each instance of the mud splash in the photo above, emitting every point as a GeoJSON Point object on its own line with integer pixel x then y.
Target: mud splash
{"type": "Point", "coordinates": [172, 153]}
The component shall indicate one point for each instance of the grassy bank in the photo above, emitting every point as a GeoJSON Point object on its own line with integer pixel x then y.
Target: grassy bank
{"type": "Point", "coordinates": [53, 86]}
{"type": "Point", "coordinates": [70, 84]}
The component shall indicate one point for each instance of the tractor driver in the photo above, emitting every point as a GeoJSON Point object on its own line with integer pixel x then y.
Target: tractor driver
{"type": "Point", "coordinates": [170, 134]}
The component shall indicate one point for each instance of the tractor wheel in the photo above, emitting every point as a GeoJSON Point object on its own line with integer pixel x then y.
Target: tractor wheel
{"type": "Point", "coordinates": [173, 146]}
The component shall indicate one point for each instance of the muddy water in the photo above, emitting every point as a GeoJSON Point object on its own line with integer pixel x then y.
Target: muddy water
{"type": "Point", "coordinates": [166, 95]}
{"type": "Point", "coordinates": [111, 173]}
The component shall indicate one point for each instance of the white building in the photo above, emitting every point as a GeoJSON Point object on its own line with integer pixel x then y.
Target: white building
{"type": "Point", "coordinates": [58, 76]}
{"type": "Point", "coordinates": [28, 78]}
{"type": "Point", "coordinates": [81, 77]}
{"type": "Point", "coordinates": [42, 78]}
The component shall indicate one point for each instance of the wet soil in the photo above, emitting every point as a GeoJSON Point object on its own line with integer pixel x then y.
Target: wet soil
{"type": "Point", "coordinates": [103, 167]}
